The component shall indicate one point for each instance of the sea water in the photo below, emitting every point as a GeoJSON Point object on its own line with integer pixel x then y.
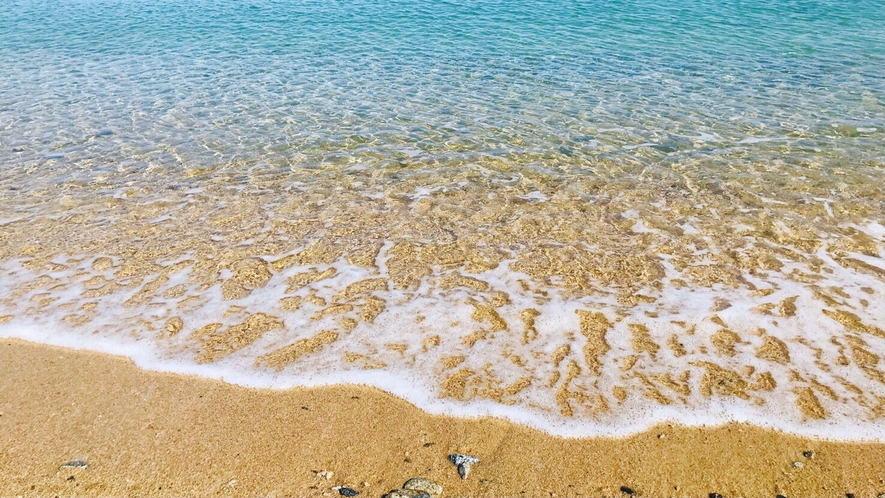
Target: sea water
{"type": "Point", "coordinates": [588, 217]}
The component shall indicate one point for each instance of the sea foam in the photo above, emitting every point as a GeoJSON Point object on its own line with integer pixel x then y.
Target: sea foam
{"type": "Point", "coordinates": [791, 348]}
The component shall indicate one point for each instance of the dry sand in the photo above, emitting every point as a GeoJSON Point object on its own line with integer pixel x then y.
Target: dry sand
{"type": "Point", "coordinates": [153, 434]}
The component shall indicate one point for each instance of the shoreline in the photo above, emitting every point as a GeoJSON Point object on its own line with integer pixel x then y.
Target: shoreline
{"type": "Point", "coordinates": [391, 385]}
{"type": "Point", "coordinates": [158, 434]}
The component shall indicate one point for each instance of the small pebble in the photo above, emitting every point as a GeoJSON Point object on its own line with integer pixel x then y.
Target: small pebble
{"type": "Point", "coordinates": [325, 474]}
{"type": "Point", "coordinates": [347, 492]}
{"type": "Point", "coordinates": [425, 485]}
{"type": "Point", "coordinates": [462, 459]}
{"type": "Point", "coordinates": [797, 464]}
{"type": "Point", "coordinates": [808, 454]}
{"type": "Point", "coordinates": [715, 495]}
{"type": "Point", "coordinates": [464, 471]}
{"type": "Point", "coordinates": [406, 493]}
{"type": "Point", "coordinates": [463, 462]}
{"type": "Point", "coordinates": [629, 491]}
{"type": "Point", "coordinates": [78, 464]}
{"type": "Point", "coordinates": [779, 496]}
{"type": "Point", "coordinates": [849, 495]}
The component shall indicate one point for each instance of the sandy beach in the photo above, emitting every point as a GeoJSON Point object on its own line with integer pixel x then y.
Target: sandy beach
{"type": "Point", "coordinates": [285, 248]}
{"type": "Point", "coordinates": [144, 433]}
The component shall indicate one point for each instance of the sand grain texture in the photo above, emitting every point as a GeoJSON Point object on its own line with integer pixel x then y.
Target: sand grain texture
{"type": "Point", "coordinates": [154, 434]}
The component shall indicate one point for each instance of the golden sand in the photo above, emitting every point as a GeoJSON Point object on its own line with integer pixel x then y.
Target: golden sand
{"type": "Point", "coordinates": [154, 434]}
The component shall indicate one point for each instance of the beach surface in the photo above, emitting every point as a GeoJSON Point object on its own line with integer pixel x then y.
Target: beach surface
{"type": "Point", "coordinates": [143, 433]}
{"type": "Point", "coordinates": [607, 248]}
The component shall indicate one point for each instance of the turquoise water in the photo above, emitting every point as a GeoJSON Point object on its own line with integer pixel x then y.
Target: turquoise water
{"type": "Point", "coordinates": [88, 84]}
{"type": "Point", "coordinates": [588, 217]}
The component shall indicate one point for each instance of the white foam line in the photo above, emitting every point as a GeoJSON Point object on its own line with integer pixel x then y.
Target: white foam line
{"type": "Point", "coordinates": [722, 411]}
{"type": "Point", "coordinates": [115, 327]}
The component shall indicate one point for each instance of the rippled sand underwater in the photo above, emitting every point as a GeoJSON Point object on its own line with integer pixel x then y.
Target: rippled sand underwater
{"type": "Point", "coordinates": [585, 218]}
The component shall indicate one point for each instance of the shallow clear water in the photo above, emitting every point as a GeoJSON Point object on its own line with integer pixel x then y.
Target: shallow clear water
{"type": "Point", "coordinates": [304, 83]}
{"type": "Point", "coordinates": [587, 216]}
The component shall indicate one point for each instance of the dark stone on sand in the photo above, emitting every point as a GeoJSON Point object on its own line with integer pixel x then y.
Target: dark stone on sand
{"type": "Point", "coordinates": [347, 492]}
{"type": "Point", "coordinates": [463, 462]}
{"type": "Point", "coordinates": [629, 491]}
{"type": "Point", "coordinates": [849, 495]}
{"type": "Point", "coordinates": [715, 495]}
{"type": "Point", "coordinates": [779, 496]}
{"type": "Point", "coordinates": [808, 454]}
{"type": "Point", "coordinates": [77, 464]}
{"type": "Point", "coordinates": [463, 471]}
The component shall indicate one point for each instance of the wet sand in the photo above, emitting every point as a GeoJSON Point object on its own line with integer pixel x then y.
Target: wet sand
{"type": "Point", "coordinates": [154, 434]}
